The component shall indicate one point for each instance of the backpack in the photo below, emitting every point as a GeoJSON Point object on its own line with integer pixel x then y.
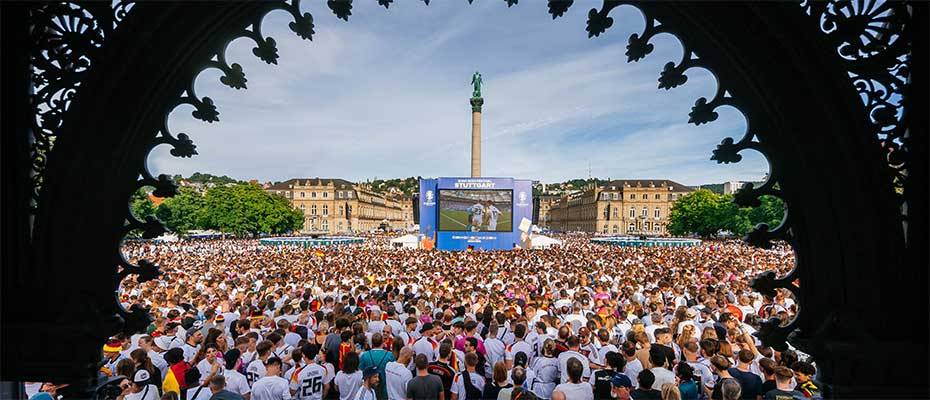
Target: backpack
{"type": "Point", "coordinates": [471, 392]}
{"type": "Point", "coordinates": [522, 394]}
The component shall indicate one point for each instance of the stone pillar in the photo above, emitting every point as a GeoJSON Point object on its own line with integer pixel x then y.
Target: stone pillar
{"type": "Point", "coordinates": [476, 103]}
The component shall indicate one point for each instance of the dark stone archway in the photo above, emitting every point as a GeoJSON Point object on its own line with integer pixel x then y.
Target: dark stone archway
{"type": "Point", "coordinates": [854, 265]}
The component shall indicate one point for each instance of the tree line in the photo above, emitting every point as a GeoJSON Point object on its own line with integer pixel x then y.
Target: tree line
{"type": "Point", "coordinates": [236, 208]}
{"type": "Point", "coordinates": [707, 214]}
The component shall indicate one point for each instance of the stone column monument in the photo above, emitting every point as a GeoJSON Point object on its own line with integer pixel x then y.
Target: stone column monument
{"type": "Point", "coordinates": [476, 102]}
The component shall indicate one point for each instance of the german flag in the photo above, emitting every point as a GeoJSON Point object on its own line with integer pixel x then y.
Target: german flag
{"type": "Point", "coordinates": [174, 378]}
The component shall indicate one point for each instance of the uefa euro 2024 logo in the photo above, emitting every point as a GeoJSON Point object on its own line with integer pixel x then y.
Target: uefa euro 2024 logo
{"type": "Point", "coordinates": [521, 197]}
{"type": "Point", "coordinates": [429, 198]}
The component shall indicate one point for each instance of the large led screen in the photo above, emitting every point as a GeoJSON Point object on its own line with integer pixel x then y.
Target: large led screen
{"type": "Point", "coordinates": [476, 210]}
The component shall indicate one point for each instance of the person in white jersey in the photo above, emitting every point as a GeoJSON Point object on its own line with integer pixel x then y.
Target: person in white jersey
{"type": "Point", "coordinates": [574, 388]}
{"type": "Point", "coordinates": [493, 214]}
{"type": "Point", "coordinates": [477, 216]}
{"type": "Point", "coordinates": [272, 386]}
{"type": "Point", "coordinates": [309, 382]}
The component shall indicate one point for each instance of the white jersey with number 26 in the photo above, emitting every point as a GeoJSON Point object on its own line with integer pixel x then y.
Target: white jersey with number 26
{"type": "Point", "coordinates": [310, 382]}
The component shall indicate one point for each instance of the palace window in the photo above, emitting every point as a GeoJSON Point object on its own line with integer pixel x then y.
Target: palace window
{"type": "Point", "coordinates": [301, 194]}
{"type": "Point", "coordinates": [658, 212]}
{"type": "Point", "coordinates": [669, 196]}
{"type": "Point", "coordinates": [632, 212]}
{"type": "Point", "coordinates": [616, 229]}
{"type": "Point", "coordinates": [645, 212]}
{"type": "Point", "coordinates": [632, 196]}
{"type": "Point", "coordinates": [301, 206]}
{"type": "Point", "coordinates": [341, 210]}
{"type": "Point", "coordinates": [646, 226]}
{"type": "Point", "coordinates": [631, 227]}
{"type": "Point", "coordinates": [616, 196]}
{"type": "Point", "coordinates": [313, 209]}
{"type": "Point", "coordinates": [605, 229]}
{"type": "Point", "coordinates": [339, 194]}
{"type": "Point", "coordinates": [658, 228]}
{"type": "Point", "coordinates": [605, 196]}
{"type": "Point", "coordinates": [313, 194]}
{"type": "Point", "coordinates": [325, 194]}
{"type": "Point", "coordinates": [658, 196]}
{"type": "Point", "coordinates": [616, 211]}
{"type": "Point", "coordinates": [325, 225]}
{"type": "Point", "coordinates": [326, 209]}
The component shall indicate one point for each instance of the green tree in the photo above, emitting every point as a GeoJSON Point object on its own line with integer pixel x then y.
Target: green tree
{"type": "Point", "coordinates": [140, 204]}
{"type": "Point", "coordinates": [706, 213]}
{"type": "Point", "coordinates": [247, 209]}
{"type": "Point", "coordinates": [183, 212]}
{"type": "Point", "coordinates": [769, 212]}
{"type": "Point", "coordinates": [729, 217]}
{"type": "Point", "coordinates": [696, 212]}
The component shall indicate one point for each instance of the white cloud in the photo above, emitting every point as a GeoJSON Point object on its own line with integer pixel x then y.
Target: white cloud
{"type": "Point", "coordinates": [387, 95]}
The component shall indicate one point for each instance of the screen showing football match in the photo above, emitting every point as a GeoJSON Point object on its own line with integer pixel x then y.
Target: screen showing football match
{"type": "Point", "coordinates": [476, 210]}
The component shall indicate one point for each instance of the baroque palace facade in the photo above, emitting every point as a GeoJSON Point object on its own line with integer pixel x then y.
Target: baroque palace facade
{"type": "Point", "coordinates": [631, 206]}
{"type": "Point", "coordinates": [340, 206]}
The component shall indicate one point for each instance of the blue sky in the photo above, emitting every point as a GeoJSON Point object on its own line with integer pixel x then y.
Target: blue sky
{"type": "Point", "coordinates": [386, 95]}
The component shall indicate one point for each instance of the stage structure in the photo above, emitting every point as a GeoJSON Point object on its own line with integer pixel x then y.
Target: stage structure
{"type": "Point", "coordinates": [476, 213]}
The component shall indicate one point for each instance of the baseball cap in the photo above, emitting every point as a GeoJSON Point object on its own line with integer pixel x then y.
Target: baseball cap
{"type": "Point", "coordinates": [142, 376]}
{"type": "Point", "coordinates": [621, 380]}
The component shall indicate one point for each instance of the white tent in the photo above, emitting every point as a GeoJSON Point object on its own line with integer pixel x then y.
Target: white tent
{"type": "Point", "coordinates": [406, 242]}
{"type": "Point", "coordinates": [543, 242]}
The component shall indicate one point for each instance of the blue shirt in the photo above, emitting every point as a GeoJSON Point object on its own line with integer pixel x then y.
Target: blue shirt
{"type": "Point", "coordinates": [689, 390]}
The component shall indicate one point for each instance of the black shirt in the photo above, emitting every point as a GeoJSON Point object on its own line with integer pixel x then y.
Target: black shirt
{"type": "Point", "coordinates": [602, 383]}
{"type": "Point", "coordinates": [651, 394]}
{"type": "Point", "coordinates": [778, 394]}
{"type": "Point", "coordinates": [750, 383]}
{"type": "Point", "coordinates": [768, 385]}
{"type": "Point", "coordinates": [445, 374]}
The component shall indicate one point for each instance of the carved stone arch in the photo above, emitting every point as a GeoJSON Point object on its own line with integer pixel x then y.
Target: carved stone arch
{"type": "Point", "coordinates": [844, 219]}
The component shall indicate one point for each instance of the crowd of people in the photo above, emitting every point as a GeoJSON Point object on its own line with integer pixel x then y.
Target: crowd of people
{"type": "Point", "coordinates": [234, 319]}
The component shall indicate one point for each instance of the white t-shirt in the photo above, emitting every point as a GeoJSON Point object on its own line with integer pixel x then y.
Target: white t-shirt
{"type": "Point", "coordinates": [563, 362]}
{"type": "Point", "coordinates": [602, 353]}
{"type": "Point", "coordinates": [427, 346]}
{"type": "Point", "coordinates": [158, 360]}
{"type": "Point", "coordinates": [663, 376]}
{"type": "Point", "coordinates": [204, 394]}
{"type": "Point", "coordinates": [309, 382]}
{"type": "Point", "coordinates": [517, 347]}
{"type": "Point", "coordinates": [547, 376]}
{"type": "Point", "coordinates": [255, 371]}
{"type": "Point", "coordinates": [348, 384]}
{"type": "Point", "coordinates": [365, 394]}
{"type": "Point", "coordinates": [458, 384]}
{"type": "Point", "coordinates": [149, 392]}
{"type": "Point", "coordinates": [205, 367]}
{"type": "Point", "coordinates": [189, 351]}
{"type": "Point", "coordinates": [632, 370]}
{"type": "Point", "coordinates": [576, 391]}
{"type": "Point", "coordinates": [236, 382]}
{"type": "Point", "coordinates": [506, 335]}
{"type": "Point", "coordinates": [397, 376]}
{"type": "Point", "coordinates": [706, 377]}
{"type": "Point", "coordinates": [271, 388]}
{"type": "Point", "coordinates": [495, 352]}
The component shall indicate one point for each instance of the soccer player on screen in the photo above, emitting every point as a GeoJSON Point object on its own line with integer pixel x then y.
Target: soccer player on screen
{"type": "Point", "coordinates": [493, 214]}
{"type": "Point", "coordinates": [477, 216]}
